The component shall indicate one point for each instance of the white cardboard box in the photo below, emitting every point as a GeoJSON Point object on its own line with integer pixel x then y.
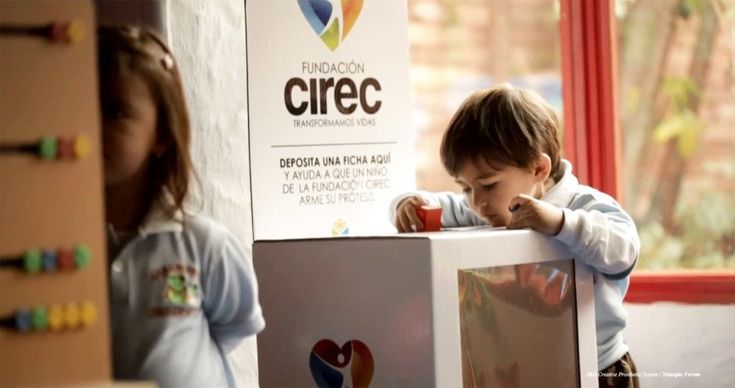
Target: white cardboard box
{"type": "Point", "coordinates": [386, 311]}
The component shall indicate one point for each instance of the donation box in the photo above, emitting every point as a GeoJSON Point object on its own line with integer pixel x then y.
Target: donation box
{"type": "Point", "coordinates": [471, 307]}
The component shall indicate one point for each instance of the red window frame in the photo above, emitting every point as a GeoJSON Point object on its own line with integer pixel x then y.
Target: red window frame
{"type": "Point", "coordinates": [591, 140]}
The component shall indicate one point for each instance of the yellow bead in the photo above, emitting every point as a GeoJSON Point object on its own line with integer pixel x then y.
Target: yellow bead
{"type": "Point", "coordinates": [75, 33]}
{"type": "Point", "coordinates": [71, 315]}
{"type": "Point", "coordinates": [88, 313]}
{"type": "Point", "coordinates": [82, 146]}
{"type": "Point", "coordinates": [55, 317]}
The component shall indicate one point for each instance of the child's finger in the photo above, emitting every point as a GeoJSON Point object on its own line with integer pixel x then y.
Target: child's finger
{"type": "Point", "coordinates": [409, 224]}
{"type": "Point", "coordinates": [516, 223]}
{"type": "Point", "coordinates": [405, 223]}
{"type": "Point", "coordinates": [402, 222]}
{"type": "Point", "coordinates": [417, 201]}
{"type": "Point", "coordinates": [408, 218]}
{"type": "Point", "coordinates": [521, 218]}
{"type": "Point", "coordinates": [414, 222]}
{"type": "Point", "coordinates": [519, 201]}
{"type": "Point", "coordinates": [408, 221]}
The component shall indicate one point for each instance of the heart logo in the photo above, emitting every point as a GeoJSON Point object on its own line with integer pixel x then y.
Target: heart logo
{"type": "Point", "coordinates": [329, 363]}
{"type": "Point", "coordinates": [325, 21]}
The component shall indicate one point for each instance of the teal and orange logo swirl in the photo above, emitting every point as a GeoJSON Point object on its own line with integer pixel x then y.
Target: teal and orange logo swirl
{"type": "Point", "coordinates": [331, 25]}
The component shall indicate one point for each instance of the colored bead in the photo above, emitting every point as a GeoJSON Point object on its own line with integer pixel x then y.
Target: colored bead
{"type": "Point", "coordinates": [55, 317]}
{"type": "Point", "coordinates": [88, 313]}
{"type": "Point", "coordinates": [71, 316]}
{"type": "Point", "coordinates": [23, 320]}
{"type": "Point", "coordinates": [75, 32]}
{"type": "Point", "coordinates": [49, 260]}
{"type": "Point", "coordinates": [32, 261]}
{"type": "Point", "coordinates": [66, 148]}
{"type": "Point", "coordinates": [65, 259]}
{"type": "Point", "coordinates": [82, 146]}
{"type": "Point", "coordinates": [47, 148]}
{"type": "Point", "coordinates": [71, 32]}
{"type": "Point", "coordinates": [82, 256]}
{"type": "Point", "coordinates": [39, 318]}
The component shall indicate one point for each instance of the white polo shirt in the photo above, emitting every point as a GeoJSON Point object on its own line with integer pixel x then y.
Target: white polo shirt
{"type": "Point", "coordinates": [183, 295]}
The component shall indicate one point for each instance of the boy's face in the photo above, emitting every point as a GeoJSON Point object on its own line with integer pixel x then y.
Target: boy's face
{"type": "Point", "coordinates": [489, 190]}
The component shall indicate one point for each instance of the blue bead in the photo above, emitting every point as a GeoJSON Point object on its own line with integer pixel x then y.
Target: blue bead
{"type": "Point", "coordinates": [49, 260]}
{"type": "Point", "coordinates": [23, 321]}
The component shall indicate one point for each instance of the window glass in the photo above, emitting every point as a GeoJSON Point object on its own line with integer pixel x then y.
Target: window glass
{"type": "Point", "coordinates": [461, 46]}
{"type": "Point", "coordinates": [677, 109]}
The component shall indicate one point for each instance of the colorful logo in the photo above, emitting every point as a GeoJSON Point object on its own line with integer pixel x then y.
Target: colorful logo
{"type": "Point", "coordinates": [181, 290]}
{"type": "Point", "coordinates": [331, 365]}
{"type": "Point", "coordinates": [324, 18]}
{"type": "Point", "coordinates": [340, 228]}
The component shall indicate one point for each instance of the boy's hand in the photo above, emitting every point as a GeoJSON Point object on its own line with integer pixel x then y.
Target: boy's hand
{"type": "Point", "coordinates": [529, 212]}
{"type": "Point", "coordinates": [406, 218]}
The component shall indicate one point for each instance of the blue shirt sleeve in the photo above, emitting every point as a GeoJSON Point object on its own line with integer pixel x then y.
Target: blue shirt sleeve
{"type": "Point", "coordinates": [597, 230]}
{"type": "Point", "coordinates": [231, 294]}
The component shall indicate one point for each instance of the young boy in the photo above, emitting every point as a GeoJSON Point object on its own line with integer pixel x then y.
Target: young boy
{"type": "Point", "coordinates": [502, 148]}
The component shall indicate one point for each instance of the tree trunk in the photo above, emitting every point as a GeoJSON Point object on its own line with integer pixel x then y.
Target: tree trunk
{"type": "Point", "coordinates": [637, 127]}
{"type": "Point", "coordinates": [670, 180]}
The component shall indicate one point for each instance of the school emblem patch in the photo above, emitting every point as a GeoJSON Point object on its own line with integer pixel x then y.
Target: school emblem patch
{"type": "Point", "coordinates": [180, 291]}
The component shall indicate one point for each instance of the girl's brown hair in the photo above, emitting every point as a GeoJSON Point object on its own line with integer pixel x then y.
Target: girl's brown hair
{"type": "Point", "coordinates": [503, 126]}
{"type": "Point", "coordinates": [142, 52]}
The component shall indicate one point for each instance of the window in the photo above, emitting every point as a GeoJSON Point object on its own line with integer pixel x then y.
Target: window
{"type": "Point", "coordinates": [461, 46]}
{"type": "Point", "coordinates": [676, 106]}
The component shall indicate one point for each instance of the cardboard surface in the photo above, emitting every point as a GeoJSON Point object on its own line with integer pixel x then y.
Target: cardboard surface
{"type": "Point", "coordinates": [51, 90]}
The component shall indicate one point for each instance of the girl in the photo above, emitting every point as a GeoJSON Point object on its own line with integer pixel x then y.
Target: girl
{"type": "Point", "coordinates": [183, 290]}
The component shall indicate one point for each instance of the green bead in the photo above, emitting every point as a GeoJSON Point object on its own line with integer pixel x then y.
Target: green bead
{"type": "Point", "coordinates": [82, 256]}
{"type": "Point", "coordinates": [47, 147]}
{"type": "Point", "coordinates": [39, 318]}
{"type": "Point", "coordinates": [32, 261]}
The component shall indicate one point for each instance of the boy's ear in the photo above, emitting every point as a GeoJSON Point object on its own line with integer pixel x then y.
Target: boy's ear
{"type": "Point", "coordinates": [542, 168]}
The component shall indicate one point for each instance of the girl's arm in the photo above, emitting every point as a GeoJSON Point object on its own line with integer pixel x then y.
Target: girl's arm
{"type": "Point", "coordinates": [231, 294]}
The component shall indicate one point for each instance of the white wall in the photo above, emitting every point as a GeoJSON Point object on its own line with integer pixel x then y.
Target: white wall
{"type": "Point", "coordinates": [674, 339]}
{"type": "Point", "coordinates": [208, 40]}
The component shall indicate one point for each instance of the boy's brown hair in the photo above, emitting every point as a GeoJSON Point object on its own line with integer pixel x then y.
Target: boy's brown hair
{"type": "Point", "coordinates": [504, 126]}
{"type": "Point", "coordinates": [142, 52]}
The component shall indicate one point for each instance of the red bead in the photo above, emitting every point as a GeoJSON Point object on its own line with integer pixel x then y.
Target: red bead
{"type": "Point", "coordinates": [66, 148]}
{"type": "Point", "coordinates": [59, 32]}
{"type": "Point", "coordinates": [65, 259]}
